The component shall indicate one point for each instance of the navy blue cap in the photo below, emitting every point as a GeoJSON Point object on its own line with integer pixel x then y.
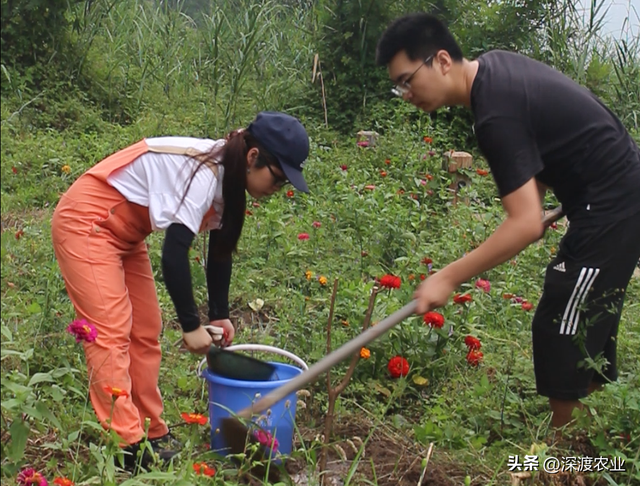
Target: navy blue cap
{"type": "Point", "coordinates": [284, 137]}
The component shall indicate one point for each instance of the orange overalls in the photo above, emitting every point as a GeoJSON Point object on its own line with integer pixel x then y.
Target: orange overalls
{"type": "Point", "coordinates": [98, 238]}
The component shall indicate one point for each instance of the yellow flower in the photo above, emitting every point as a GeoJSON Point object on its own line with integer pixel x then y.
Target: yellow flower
{"type": "Point", "coordinates": [66, 169]}
{"type": "Point", "coordinates": [308, 274]}
{"type": "Point", "coordinates": [365, 353]}
{"type": "Point", "coordinates": [553, 250]}
{"type": "Point", "coordinates": [322, 280]}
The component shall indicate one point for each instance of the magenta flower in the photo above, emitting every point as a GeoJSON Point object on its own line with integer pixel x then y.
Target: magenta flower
{"type": "Point", "coordinates": [266, 439]}
{"type": "Point", "coordinates": [316, 224]}
{"type": "Point", "coordinates": [362, 143]}
{"type": "Point", "coordinates": [303, 236]}
{"type": "Point", "coordinates": [31, 477]}
{"type": "Point", "coordinates": [83, 331]}
{"type": "Point", "coordinates": [483, 285]}
{"type": "Point", "coordinates": [343, 167]}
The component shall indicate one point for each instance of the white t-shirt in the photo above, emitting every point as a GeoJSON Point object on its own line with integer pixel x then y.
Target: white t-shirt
{"type": "Point", "coordinates": [159, 181]}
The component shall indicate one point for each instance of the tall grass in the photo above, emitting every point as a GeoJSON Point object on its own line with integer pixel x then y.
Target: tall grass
{"type": "Point", "coordinates": [143, 55]}
{"type": "Point", "coordinates": [573, 40]}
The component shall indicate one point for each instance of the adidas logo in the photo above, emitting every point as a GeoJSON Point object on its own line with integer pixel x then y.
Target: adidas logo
{"type": "Point", "coordinates": [560, 267]}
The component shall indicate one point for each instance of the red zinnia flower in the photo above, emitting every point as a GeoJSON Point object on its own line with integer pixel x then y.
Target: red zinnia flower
{"type": "Point", "coordinates": [527, 306]}
{"type": "Point", "coordinates": [31, 477]}
{"type": "Point", "coordinates": [248, 213]}
{"type": "Point", "coordinates": [290, 194]}
{"type": "Point", "coordinates": [362, 143]}
{"type": "Point", "coordinates": [390, 281]}
{"type": "Point", "coordinates": [461, 299]}
{"type": "Point", "coordinates": [83, 331]}
{"type": "Point", "coordinates": [383, 173]}
{"type": "Point", "coordinates": [483, 285]}
{"type": "Point", "coordinates": [343, 167]}
{"type": "Point", "coordinates": [474, 357]}
{"type": "Point", "coordinates": [427, 139]}
{"type": "Point", "coordinates": [303, 236]}
{"type": "Point", "coordinates": [422, 276]}
{"type": "Point", "coordinates": [63, 481]}
{"type": "Point", "coordinates": [19, 234]}
{"type": "Point", "coordinates": [507, 296]}
{"type": "Point", "coordinates": [194, 418]}
{"type": "Point", "coordinates": [427, 261]}
{"type": "Point", "coordinates": [398, 366]}
{"type": "Point", "coordinates": [316, 224]}
{"type": "Point", "coordinates": [472, 343]}
{"type": "Point", "coordinates": [115, 392]}
{"type": "Point", "coordinates": [482, 172]}
{"type": "Point", "coordinates": [387, 161]}
{"type": "Point", "coordinates": [429, 177]}
{"type": "Point", "coordinates": [204, 469]}
{"type": "Point", "coordinates": [14, 170]}
{"type": "Point", "coordinates": [434, 319]}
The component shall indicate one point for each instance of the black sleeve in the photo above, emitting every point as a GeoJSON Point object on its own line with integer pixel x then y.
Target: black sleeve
{"type": "Point", "coordinates": [218, 279]}
{"type": "Point", "coordinates": [511, 151]}
{"type": "Point", "coordinates": [177, 274]}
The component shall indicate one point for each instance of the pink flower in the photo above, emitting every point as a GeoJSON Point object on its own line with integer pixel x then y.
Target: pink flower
{"type": "Point", "coordinates": [266, 439]}
{"type": "Point", "coordinates": [316, 224]}
{"type": "Point", "coordinates": [83, 331]}
{"type": "Point", "coordinates": [362, 143]}
{"type": "Point", "coordinates": [303, 236]}
{"type": "Point", "coordinates": [483, 285]}
{"type": "Point", "coordinates": [31, 477]}
{"type": "Point", "coordinates": [423, 182]}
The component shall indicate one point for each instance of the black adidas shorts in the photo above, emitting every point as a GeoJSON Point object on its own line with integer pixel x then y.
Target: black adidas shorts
{"type": "Point", "coordinates": [580, 308]}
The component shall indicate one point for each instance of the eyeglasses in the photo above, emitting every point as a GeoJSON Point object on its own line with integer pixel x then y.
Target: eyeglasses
{"type": "Point", "coordinates": [278, 180]}
{"type": "Point", "coordinates": [403, 87]}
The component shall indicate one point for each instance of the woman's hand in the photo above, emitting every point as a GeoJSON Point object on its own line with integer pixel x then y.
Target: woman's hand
{"type": "Point", "coordinates": [229, 331]}
{"type": "Point", "coordinates": [197, 341]}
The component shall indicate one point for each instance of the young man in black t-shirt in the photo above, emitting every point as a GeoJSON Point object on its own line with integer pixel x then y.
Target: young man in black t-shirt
{"type": "Point", "coordinates": [538, 130]}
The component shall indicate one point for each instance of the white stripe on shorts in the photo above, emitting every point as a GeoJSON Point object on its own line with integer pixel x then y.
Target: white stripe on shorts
{"type": "Point", "coordinates": [572, 311]}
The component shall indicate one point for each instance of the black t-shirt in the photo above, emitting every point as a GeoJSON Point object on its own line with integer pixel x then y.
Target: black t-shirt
{"type": "Point", "coordinates": [533, 121]}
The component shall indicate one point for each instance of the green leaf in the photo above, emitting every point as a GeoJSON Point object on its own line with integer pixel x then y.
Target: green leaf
{"type": "Point", "coordinates": [34, 308]}
{"type": "Point", "coordinates": [40, 377]}
{"type": "Point", "coordinates": [19, 432]}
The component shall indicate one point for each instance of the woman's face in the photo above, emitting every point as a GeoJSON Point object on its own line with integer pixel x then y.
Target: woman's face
{"type": "Point", "coordinates": [262, 181]}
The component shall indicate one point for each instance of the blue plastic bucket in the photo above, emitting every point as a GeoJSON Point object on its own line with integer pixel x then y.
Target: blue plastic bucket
{"type": "Point", "coordinates": [228, 396]}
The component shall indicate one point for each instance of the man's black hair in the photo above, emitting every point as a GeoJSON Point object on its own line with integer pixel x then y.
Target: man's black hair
{"type": "Point", "coordinates": [420, 35]}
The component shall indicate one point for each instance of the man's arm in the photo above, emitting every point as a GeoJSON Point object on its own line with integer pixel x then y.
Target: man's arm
{"type": "Point", "coordinates": [522, 227]}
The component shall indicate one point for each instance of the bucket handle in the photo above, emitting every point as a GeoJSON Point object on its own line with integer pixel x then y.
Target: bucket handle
{"type": "Point", "coordinates": [260, 347]}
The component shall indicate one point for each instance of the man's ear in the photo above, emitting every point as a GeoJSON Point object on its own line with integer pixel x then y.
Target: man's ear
{"type": "Point", "coordinates": [443, 61]}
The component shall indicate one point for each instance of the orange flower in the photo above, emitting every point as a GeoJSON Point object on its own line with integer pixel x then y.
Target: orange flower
{"type": "Point", "coordinates": [429, 177]}
{"type": "Point", "coordinates": [527, 306]}
{"type": "Point", "coordinates": [365, 353]}
{"type": "Point", "coordinates": [194, 418]}
{"type": "Point", "coordinates": [427, 139]}
{"type": "Point", "coordinates": [66, 169]}
{"type": "Point", "coordinates": [63, 481]}
{"type": "Point", "coordinates": [204, 469]}
{"type": "Point", "coordinates": [290, 194]}
{"type": "Point", "coordinates": [19, 234]}
{"type": "Point", "coordinates": [387, 161]}
{"type": "Point", "coordinates": [344, 322]}
{"type": "Point", "coordinates": [115, 392]}
{"type": "Point", "coordinates": [322, 280]}
{"type": "Point", "coordinates": [412, 276]}
{"type": "Point", "coordinates": [482, 172]}
{"type": "Point", "coordinates": [383, 173]}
